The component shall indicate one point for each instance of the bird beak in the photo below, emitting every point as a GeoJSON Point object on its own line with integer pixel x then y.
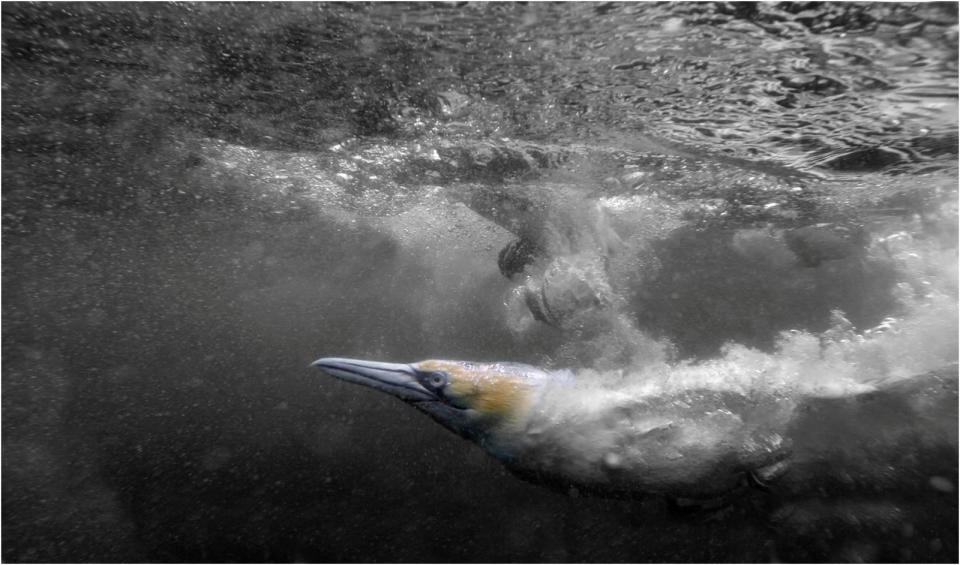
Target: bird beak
{"type": "Point", "coordinates": [397, 379]}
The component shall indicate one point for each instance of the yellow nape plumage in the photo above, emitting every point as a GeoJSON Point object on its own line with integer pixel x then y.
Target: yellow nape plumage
{"type": "Point", "coordinates": [486, 388]}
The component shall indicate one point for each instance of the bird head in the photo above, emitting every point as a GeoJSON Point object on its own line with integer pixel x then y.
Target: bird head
{"type": "Point", "coordinates": [475, 400]}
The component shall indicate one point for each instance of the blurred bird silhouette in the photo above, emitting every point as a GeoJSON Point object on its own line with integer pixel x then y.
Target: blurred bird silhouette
{"type": "Point", "coordinates": [683, 439]}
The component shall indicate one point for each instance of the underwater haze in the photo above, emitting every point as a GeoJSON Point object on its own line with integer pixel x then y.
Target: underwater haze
{"type": "Point", "coordinates": [201, 199]}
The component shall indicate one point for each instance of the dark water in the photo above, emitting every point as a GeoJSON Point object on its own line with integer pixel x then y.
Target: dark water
{"type": "Point", "coordinates": [199, 200]}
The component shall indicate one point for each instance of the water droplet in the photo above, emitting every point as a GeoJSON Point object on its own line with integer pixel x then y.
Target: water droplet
{"type": "Point", "coordinates": [612, 460]}
{"type": "Point", "coordinates": [942, 484]}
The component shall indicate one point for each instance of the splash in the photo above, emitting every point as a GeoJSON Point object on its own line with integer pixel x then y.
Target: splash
{"type": "Point", "coordinates": [918, 333]}
{"type": "Point", "coordinates": [698, 428]}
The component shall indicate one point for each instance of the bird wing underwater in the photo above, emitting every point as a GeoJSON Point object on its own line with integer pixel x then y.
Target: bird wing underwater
{"type": "Point", "coordinates": [576, 435]}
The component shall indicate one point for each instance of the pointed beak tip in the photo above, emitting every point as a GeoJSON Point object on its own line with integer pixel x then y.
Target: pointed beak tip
{"type": "Point", "coordinates": [398, 379]}
{"type": "Point", "coordinates": [326, 363]}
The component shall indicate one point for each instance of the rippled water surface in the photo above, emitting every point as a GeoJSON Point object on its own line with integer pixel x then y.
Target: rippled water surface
{"type": "Point", "coordinates": [201, 199]}
{"type": "Point", "coordinates": [810, 86]}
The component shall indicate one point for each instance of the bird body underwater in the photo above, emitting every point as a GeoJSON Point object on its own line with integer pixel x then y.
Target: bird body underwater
{"type": "Point", "coordinates": [675, 436]}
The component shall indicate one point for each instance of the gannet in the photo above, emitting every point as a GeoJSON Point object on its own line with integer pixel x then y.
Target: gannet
{"type": "Point", "coordinates": [548, 430]}
{"type": "Point", "coordinates": [677, 437]}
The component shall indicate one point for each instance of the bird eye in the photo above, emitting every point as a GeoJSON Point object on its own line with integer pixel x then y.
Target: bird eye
{"type": "Point", "coordinates": [436, 380]}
